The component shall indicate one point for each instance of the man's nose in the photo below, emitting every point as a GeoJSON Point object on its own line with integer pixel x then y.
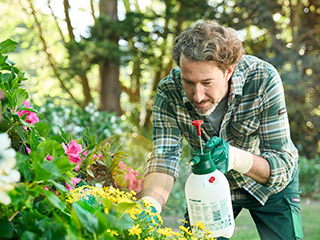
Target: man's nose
{"type": "Point", "coordinates": [198, 93]}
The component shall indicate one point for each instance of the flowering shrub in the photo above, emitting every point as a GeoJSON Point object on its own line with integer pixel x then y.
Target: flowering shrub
{"type": "Point", "coordinates": [56, 186]}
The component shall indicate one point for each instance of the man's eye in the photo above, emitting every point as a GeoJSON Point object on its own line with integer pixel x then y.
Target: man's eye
{"type": "Point", "coordinates": [188, 83]}
{"type": "Point", "coordinates": [207, 83]}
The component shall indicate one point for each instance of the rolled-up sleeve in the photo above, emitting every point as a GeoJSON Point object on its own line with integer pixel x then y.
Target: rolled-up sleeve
{"type": "Point", "coordinates": [275, 141]}
{"type": "Point", "coordinates": [167, 138]}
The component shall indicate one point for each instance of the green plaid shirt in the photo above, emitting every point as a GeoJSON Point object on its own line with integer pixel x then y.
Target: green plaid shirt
{"type": "Point", "coordinates": [255, 121]}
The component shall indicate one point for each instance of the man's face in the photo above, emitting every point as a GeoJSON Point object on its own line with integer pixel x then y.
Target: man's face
{"type": "Point", "coordinates": [204, 83]}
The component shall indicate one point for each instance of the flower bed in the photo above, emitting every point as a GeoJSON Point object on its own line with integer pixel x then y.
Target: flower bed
{"type": "Point", "coordinates": [62, 187]}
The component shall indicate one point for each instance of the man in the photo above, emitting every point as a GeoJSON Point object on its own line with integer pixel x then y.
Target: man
{"type": "Point", "coordinates": [240, 98]}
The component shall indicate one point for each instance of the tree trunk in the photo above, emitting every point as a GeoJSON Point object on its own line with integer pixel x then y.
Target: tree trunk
{"type": "Point", "coordinates": [110, 88]}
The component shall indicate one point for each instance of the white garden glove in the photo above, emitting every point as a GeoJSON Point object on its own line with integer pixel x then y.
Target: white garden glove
{"type": "Point", "coordinates": [227, 157]}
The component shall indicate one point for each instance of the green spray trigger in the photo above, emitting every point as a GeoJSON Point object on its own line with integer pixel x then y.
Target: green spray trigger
{"type": "Point", "coordinates": [198, 124]}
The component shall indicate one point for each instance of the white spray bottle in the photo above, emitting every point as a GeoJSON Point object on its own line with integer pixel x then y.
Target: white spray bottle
{"type": "Point", "coordinates": [208, 196]}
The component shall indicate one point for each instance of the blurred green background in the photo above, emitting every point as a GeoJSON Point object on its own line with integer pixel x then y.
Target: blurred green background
{"type": "Point", "coordinates": [96, 64]}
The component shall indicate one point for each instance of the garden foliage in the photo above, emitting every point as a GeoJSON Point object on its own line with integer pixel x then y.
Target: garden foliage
{"type": "Point", "coordinates": [62, 185]}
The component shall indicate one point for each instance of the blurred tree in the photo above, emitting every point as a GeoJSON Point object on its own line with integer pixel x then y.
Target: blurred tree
{"type": "Point", "coordinates": [138, 36]}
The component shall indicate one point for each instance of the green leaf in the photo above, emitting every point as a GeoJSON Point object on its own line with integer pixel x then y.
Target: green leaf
{"type": "Point", "coordinates": [46, 170]}
{"type": "Point", "coordinates": [126, 222]}
{"type": "Point", "coordinates": [59, 186]}
{"type": "Point", "coordinates": [124, 207]}
{"type": "Point", "coordinates": [24, 167]}
{"type": "Point", "coordinates": [20, 96]}
{"type": "Point", "coordinates": [51, 229]}
{"type": "Point", "coordinates": [47, 147]}
{"type": "Point", "coordinates": [42, 129]}
{"type": "Point", "coordinates": [21, 132]}
{"type": "Point", "coordinates": [6, 228]}
{"type": "Point", "coordinates": [102, 223]}
{"type": "Point", "coordinates": [7, 46]}
{"type": "Point", "coordinates": [34, 142]}
{"type": "Point", "coordinates": [107, 203]}
{"type": "Point", "coordinates": [90, 203]}
{"type": "Point", "coordinates": [16, 97]}
{"type": "Point", "coordinates": [24, 122]}
{"type": "Point", "coordinates": [27, 235]}
{"type": "Point", "coordinates": [88, 220]}
{"type": "Point", "coordinates": [2, 62]}
{"type": "Point", "coordinates": [53, 199]}
{"type": "Point", "coordinates": [63, 163]}
{"type": "Point", "coordinates": [23, 107]}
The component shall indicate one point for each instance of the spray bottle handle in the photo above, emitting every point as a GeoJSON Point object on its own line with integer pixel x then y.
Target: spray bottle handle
{"type": "Point", "coordinates": [198, 124]}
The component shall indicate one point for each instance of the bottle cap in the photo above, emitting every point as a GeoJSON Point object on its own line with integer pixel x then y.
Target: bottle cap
{"type": "Point", "coordinates": [202, 163]}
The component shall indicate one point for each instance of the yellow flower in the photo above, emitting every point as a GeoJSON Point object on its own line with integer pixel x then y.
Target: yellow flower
{"type": "Point", "coordinates": [184, 221]}
{"type": "Point", "coordinates": [186, 230]}
{"type": "Point", "coordinates": [149, 238]}
{"type": "Point", "coordinates": [208, 232]}
{"type": "Point", "coordinates": [112, 232]}
{"type": "Point", "coordinates": [165, 232]}
{"type": "Point", "coordinates": [135, 230]}
{"type": "Point", "coordinates": [200, 225]}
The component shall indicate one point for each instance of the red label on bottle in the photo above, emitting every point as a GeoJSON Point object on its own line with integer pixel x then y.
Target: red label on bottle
{"type": "Point", "coordinates": [212, 179]}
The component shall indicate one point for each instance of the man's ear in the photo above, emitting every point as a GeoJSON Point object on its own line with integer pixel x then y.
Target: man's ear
{"type": "Point", "coordinates": [229, 71]}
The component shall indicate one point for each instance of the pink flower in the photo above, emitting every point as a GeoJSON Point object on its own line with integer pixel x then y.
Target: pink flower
{"type": "Point", "coordinates": [74, 182]}
{"type": "Point", "coordinates": [68, 186]}
{"type": "Point", "coordinates": [73, 148]}
{"type": "Point", "coordinates": [49, 158]}
{"type": "Point", "coordinates": [122, 165]}
{"type": "Point", "coordinates": [28, 150]}
{"type": "Point", "coordinates": [31, 117]}
{"type": "Point", "coordinates": [73, 151]}
{"type": "Point", "coordinates": [134, 182]}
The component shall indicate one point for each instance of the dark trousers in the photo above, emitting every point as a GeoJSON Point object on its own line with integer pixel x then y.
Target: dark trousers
{"type": "Point", "coordinates": [279, 218]}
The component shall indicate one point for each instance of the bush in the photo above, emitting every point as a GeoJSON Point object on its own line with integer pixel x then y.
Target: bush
{"type": "Point", "coordinates": [309, 176]}
{"type": "Point", "coordinates": [76, 120]}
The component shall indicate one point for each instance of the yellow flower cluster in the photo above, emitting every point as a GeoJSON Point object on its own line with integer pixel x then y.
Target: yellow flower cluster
{"type": "Point", "coordinates": [142, 229]}
{"type": "Point", "coordinates": [113, 194]}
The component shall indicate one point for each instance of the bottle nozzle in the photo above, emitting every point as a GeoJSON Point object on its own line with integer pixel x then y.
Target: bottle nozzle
{"type": "Point", "coordinates": [195, 160]}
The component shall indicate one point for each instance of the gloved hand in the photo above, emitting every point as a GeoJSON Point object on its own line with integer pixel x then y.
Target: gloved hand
{"type": "Point", "coordinates": [227, 157]}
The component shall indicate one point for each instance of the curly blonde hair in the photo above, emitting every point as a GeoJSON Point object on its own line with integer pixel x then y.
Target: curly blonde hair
{"type": "Point", "coordinates": [209, 41]}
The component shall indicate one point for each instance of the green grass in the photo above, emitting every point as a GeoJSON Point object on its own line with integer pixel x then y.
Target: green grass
{"type": "Point", "coordinates": [246, 230]}
{"type": "Point", "coordinates": [310, 214]}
